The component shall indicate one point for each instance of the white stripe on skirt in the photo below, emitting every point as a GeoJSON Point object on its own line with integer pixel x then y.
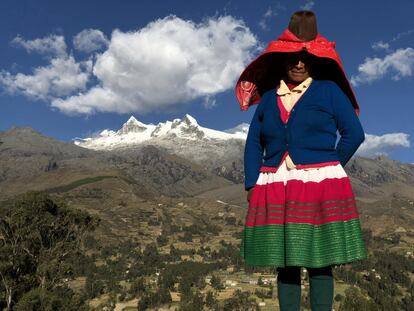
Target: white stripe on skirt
{"type": "Point", "coordinates": [283, 174]}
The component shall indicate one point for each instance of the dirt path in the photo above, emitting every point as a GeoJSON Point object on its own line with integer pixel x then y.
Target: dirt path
{"type": "Point", "coordinates": [121, 305]}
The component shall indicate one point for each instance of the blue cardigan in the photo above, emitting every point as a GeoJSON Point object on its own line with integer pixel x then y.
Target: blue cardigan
{"type": "Point", "coordinates": [310, 133]}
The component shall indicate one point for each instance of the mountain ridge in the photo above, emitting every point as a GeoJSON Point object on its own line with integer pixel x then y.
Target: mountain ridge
{"type": "Point", "coordinates": [26, 154]}
{"type": "Point", "coordinates": [134, 132]}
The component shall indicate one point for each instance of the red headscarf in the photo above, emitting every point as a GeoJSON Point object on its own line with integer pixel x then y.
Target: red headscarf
{"type": "Point", "coordinates": [265, 72]}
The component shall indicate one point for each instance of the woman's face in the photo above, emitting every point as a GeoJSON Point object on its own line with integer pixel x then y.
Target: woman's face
{"type": "Point", "coordinates": [298, 68]}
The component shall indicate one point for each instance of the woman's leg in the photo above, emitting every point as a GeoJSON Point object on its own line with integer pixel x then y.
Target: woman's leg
{"type": "Point", "coordinates": [321, 288]}
{"type": "Point", "coordinates": [288, 288]}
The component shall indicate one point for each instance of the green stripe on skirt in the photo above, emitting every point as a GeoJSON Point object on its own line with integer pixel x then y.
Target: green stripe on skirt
{"type": "Point", "coordinates": [304, 245]}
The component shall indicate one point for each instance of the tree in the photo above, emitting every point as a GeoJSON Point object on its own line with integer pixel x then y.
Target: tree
{"type": "Point", "coordinates": [195, 303]}
{"type": "Point", "coordinates": [164, 295]}
{"type": "Point", "coordinates": [162, 239]}
{"type": "Point", "coordinates": [354, 300]}
{"type": "Point", "coordinates": [138, 287]}
{"type": "Point", "coordinates": [216, 282]}
{"type": "Point", "coordinates": [174, 253]}
{"type": "Point", "coordinates": [211, 301]}
{"type": "Point", "coordinates": [93, 287]}
{"type": "Point", "coordinates": [39, 299]}
{"type": "Point", "coordinates": [184, 287]}
{"type": "Point", "coordinates": [339, 297]}
{"type": "Point", "coordinates": [240, 301]}
{"type": "Point", "coordinates": [144, 303]}
{"type": "Point", "coordinates": [37, 239]}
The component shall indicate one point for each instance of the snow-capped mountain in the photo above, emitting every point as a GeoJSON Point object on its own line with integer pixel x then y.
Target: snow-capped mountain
{"type": "Point", "coordinates": [132, 126]}
{"type": "Point", "coordinates": [221, 151]}
{"type": "Point", "coordinates": [134, 132]}
{"type": "Point", "coordinates": [241, 129]}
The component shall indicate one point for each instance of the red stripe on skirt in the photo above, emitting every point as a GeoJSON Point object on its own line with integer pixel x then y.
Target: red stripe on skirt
{"type": "Point", "coordinates": [306, 192]}
{"type": "Point", "coordinates": [302, 202]}
{"type": "Point", "coordinates": [331, 211]}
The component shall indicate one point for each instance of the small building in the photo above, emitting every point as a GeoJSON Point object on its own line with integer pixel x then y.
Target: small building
{"type": "Point", "coordinates": [231, 282]}
{"type": "Point", "coordinates": [175, 296]}
{"type": "Point", "coordinates": [207, 279]}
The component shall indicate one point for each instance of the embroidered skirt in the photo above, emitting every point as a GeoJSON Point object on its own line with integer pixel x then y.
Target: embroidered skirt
{"type": "Point", "coordinates": [299, 217]}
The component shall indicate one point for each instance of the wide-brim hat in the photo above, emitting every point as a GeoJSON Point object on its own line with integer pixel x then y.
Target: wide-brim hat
{"type": "Point", "coordinates": [266, 71]}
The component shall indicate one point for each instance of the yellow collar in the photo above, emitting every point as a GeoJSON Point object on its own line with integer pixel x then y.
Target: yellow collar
{"type": "Point", "coordinates": [284, 89]}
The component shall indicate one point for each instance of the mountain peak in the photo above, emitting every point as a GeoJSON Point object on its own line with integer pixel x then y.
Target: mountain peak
{"type": "Point", "coordinates": [186, 121]}
{"type": "Point", "coordinates": [242, 128]}
{"type": "Point", "coordinates": [132, 125]}
{"type": "Point", "coordinates": [189, 120]}
{"type": "Point", "coordinates": [132, 119]}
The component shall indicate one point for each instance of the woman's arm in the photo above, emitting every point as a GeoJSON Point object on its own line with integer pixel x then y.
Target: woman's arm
{"type": "Point", "coordinates": [253, 151]}
{"type": "Point", "coordinates": [348, 124]}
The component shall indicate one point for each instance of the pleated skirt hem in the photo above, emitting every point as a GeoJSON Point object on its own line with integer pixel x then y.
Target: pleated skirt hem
{"type": "Point", "coordinates": [295, 245]}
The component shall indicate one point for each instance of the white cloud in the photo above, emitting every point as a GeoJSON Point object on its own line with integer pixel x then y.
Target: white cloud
{"type": "Point", "coordinates": [61, 77]}
{"type": "Point", "coordinates": [399, 63]}
{"type": "Point", "coordinates": [380, 45]}
{"type": "Point", "coordinates": [52, 44]}
{"type": "Point", "coordinates": [308, 5]}
{"type": "Point", "coordinates": [263, 24]}
{"type": "Point", "coordinates": [90, 40]}
{"type": "Point", "coordinates": [398, 36]}
{"type": "Point", "coordinates": [270, 12]}
{"type": "Point", "coordinates": [86, 103]}
{"type": "Point", "coordinates": [167, 63]}
{"type": "Point", "coordinates": [209, 102]}
{"type": "Point", "coordinates": [379, 145]}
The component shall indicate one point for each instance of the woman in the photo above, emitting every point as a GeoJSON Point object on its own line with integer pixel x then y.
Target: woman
{"type": "Point", "coordinates": [302, 210]}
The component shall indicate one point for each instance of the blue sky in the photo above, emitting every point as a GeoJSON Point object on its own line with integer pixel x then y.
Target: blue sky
{"type": "Point", "coordinates": [72, 68]}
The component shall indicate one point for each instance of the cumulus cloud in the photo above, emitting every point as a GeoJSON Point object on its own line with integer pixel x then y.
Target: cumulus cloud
{"type": "Point", "coordinates": [399, 64]}
{"type": "Point", "coordinates": [90, 40]}
{"type": "Point", "coordinates": [53, 44]}
{"type": "Point", "coordinates": [100, 97]}
{"type": "Point", "coordinates": [60, 78]}
{"type": "Point", "coordinates": [308, 5]}
{"type": "Point", "coordinates": [169, 62]}
{"type": "Point", "coordinates": [381, 145]}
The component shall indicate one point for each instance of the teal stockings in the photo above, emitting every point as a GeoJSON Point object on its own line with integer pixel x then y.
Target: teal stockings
{"type": "Point", "coordinates": [321, 288]}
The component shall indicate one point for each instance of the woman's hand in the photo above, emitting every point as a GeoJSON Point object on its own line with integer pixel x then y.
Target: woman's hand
{"type": "Point", "coordinates": [249, 194]}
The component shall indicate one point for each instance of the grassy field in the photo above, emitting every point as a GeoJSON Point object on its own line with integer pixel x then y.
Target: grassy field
{"type": "Point", "coordinates": [78, 183]}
